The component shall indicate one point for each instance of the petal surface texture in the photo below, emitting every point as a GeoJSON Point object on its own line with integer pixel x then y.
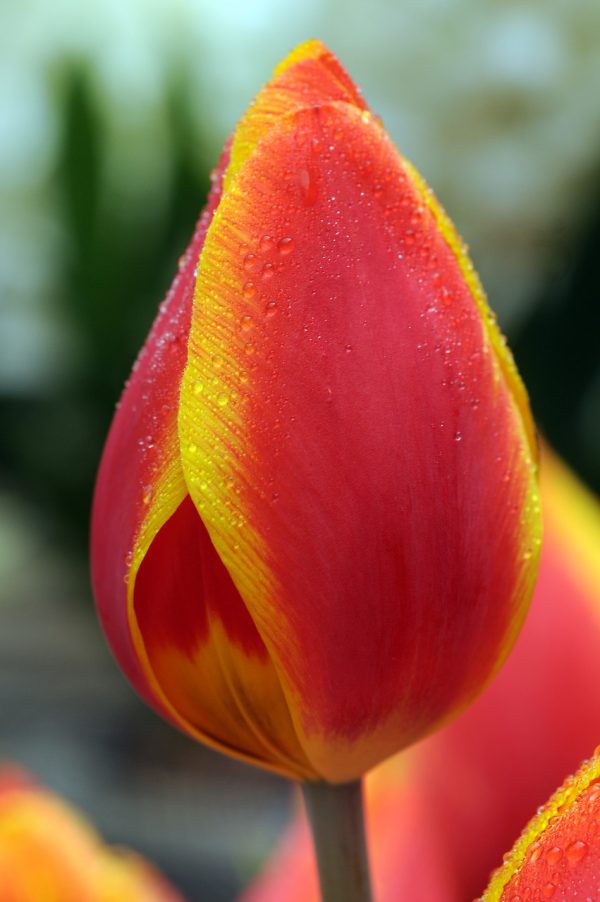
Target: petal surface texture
{"type": "Point", "coordinates": [352, 436]}
{"type": "Point", "coordinates": [441, 815]}
{"type": "Point", "coordinates": [558, 854]}
{"type": "Point", "coordinates": [316, 525]}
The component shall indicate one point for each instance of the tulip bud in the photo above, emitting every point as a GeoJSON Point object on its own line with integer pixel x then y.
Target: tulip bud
{"type": "Point", "coordinates": [558, 854]}
{"type": "Point", "coordinates": [316, 528]}
{"type": "Point", "coordinates": [49, 852]}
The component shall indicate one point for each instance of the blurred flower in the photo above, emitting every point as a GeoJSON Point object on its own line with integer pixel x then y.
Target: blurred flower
{"type": "Point", "coordinates": [441, 815]}
{"type": "Point", "coordinates": [558, 854]}
{"type": "Point", "coordinates": [48, 852]}
{"type": "Point", "coordinates": [316, 528]}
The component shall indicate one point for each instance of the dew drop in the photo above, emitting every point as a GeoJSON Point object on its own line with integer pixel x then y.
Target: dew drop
{"type": "Point", "coordinates": [198, 387]}
{"type": "Point", "coordinates": [246, 323]}
{"type": "Point", "coordinates": [270, 308]}
{"type": "Point", "coordinates": [576, 851]}
{"type": "Point", "coordinates": [554, 855]}
{"type": "Point", "coordinates": [249, 349]}
{"type": "Point", "coordinates": [243, 378]}
{"type": "Point", "coordinates": [348, 349]}
{"type": "Point", "coordinates": [548, 890]}
{"type": "Point", "coordinates": [147, 498]}
{"type": "Point", "coordinates": [285, 246]}
{"type": "Point", "coordinates": [249, 290]}
{"type": "Point", "coordinates": [268, 271]}
{"type": "Point", "coordinates": [222, 400]}
{"type": "Point", "coordinates": [250, 262]}
{"type": "Point", "coordinates": [192, 448]}
{"type": "Point", "coordinates": [535, 851]}
{"type": "Point", "coordinates": [265, 244]}
{"type": "Point", "coordinates": [308, 187]}
{"type": "Point", "coordinates": [217, 362]}
{"type": "Point", "coordinates": [458, 436]}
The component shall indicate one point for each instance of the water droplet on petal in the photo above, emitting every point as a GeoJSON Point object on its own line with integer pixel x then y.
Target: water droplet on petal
{"type": "Point", "coordinates": [548, 890]}
{"type": "Point", "coordinates": [308, 187]}
{"type": "Point", "coordinates": [458, 436]}
{"type": "Point", "coordinates": [285, 246]}
{"type": "Point", "coordinates": [249, 290]}
{"type": "Point", "coordinates": [576, 851]}
{"type": "Point", "coordinates": [265, 244]}
{"type": "Point", "coordinates": [271, 308]}
{"type": "Point", "coordinates": [535, 850]}
{"type": "Point", "coordinates": [246, 323]}
{"type": "Point", "coordinates": [222, 400]}
{"type": "Point", "coordinates": [554, 855]}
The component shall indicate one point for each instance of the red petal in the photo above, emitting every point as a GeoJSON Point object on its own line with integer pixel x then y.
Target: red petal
{"type": "Point", "coordinates": [378, 451]}
{"type": "Point", "coordinates": [140, 482]}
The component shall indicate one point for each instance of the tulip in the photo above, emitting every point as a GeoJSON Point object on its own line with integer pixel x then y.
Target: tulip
{"type": "Point", "coordinates": [316, 529]}
{"type": "Point", "coordinates": [48, 852]}
{"type": "Point", "coordinates": [558, 854]}
{"type": "Point", "coordinates": [441, 815]}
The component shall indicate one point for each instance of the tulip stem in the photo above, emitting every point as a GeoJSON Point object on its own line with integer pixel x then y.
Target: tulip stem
{"type": "Point", "coordinates": [335, 814]}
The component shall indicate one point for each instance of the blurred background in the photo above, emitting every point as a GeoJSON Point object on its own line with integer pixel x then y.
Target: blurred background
{"type": "Point", "coordinates": [111, 116]}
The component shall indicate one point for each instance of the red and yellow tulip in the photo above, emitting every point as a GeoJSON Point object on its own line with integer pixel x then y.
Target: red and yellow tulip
{"type": "Point", "coordinates": [316, 526]}
{"type": "Point", "coordinates": [441, 815]}
{"type": "Point", "coordinates": [48, 853]}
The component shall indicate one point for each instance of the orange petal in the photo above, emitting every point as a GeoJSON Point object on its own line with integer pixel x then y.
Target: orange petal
{"type": "Point", "coordinates": [49, 852]}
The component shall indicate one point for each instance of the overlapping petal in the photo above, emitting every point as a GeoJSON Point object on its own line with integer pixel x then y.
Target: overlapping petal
{"type": "Point", "coordinates": [442, 814]}
{"type": "Point", "coordinates": [48, 852]}
{"type": "Point", "coordinates": [333, 529]}
{"type": "Point", "coordinates": [558, 854]}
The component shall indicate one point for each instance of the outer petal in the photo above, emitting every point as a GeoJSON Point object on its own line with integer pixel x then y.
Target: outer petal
{"type": "Point", "coordinates": [477, 781]}
{"type": "Point", "coordinates": [173, 618]}
{"type": "Point", "coordinates": [48, 852]}
{"type": "Point", "coordinates": [344, 405]}
{"type": "Point", "coordinates": [558, 854]}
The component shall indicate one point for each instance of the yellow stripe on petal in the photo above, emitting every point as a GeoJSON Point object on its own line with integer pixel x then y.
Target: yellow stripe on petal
{"type": "Point", "coordinates": [234, 699]}
{"type": "Point", "coordinates": [497, 340]}
{"type": "Point", "coordinates": [573, 516]}
{"type": "Point", "coordinates": [558, 804]}
{"type": "Point", "coordinates": [311, 49]}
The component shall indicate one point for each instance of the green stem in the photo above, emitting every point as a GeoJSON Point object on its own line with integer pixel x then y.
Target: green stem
{"type": "Point", "coordinates": [335, 814]}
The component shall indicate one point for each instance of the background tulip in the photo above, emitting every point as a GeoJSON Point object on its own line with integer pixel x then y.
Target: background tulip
{"type": "Point", "coordinates": [49, 853]}
{"type": "Point", "coordinates": [558, 854]}
{"type": "Point", "coordinates": [315, 528]}
{"type": "Point", "coordinates": [441, 815]}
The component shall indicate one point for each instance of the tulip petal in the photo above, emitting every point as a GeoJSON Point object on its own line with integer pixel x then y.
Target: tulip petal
{"type": "Point", "coordinates": [198, 664]}
{"type": "Point", "coordinates": [311, 515]}
{"type": "Point", "coordinates": [558, 853]}
{"type": "Point", "coordinates": [310, 74]}
{"type": "Point", "coordinates": [205, 652]}
{"type": "Point", "coordinates": [49, 853]}
{"type": "Point", "coordinates": [140, 483]}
